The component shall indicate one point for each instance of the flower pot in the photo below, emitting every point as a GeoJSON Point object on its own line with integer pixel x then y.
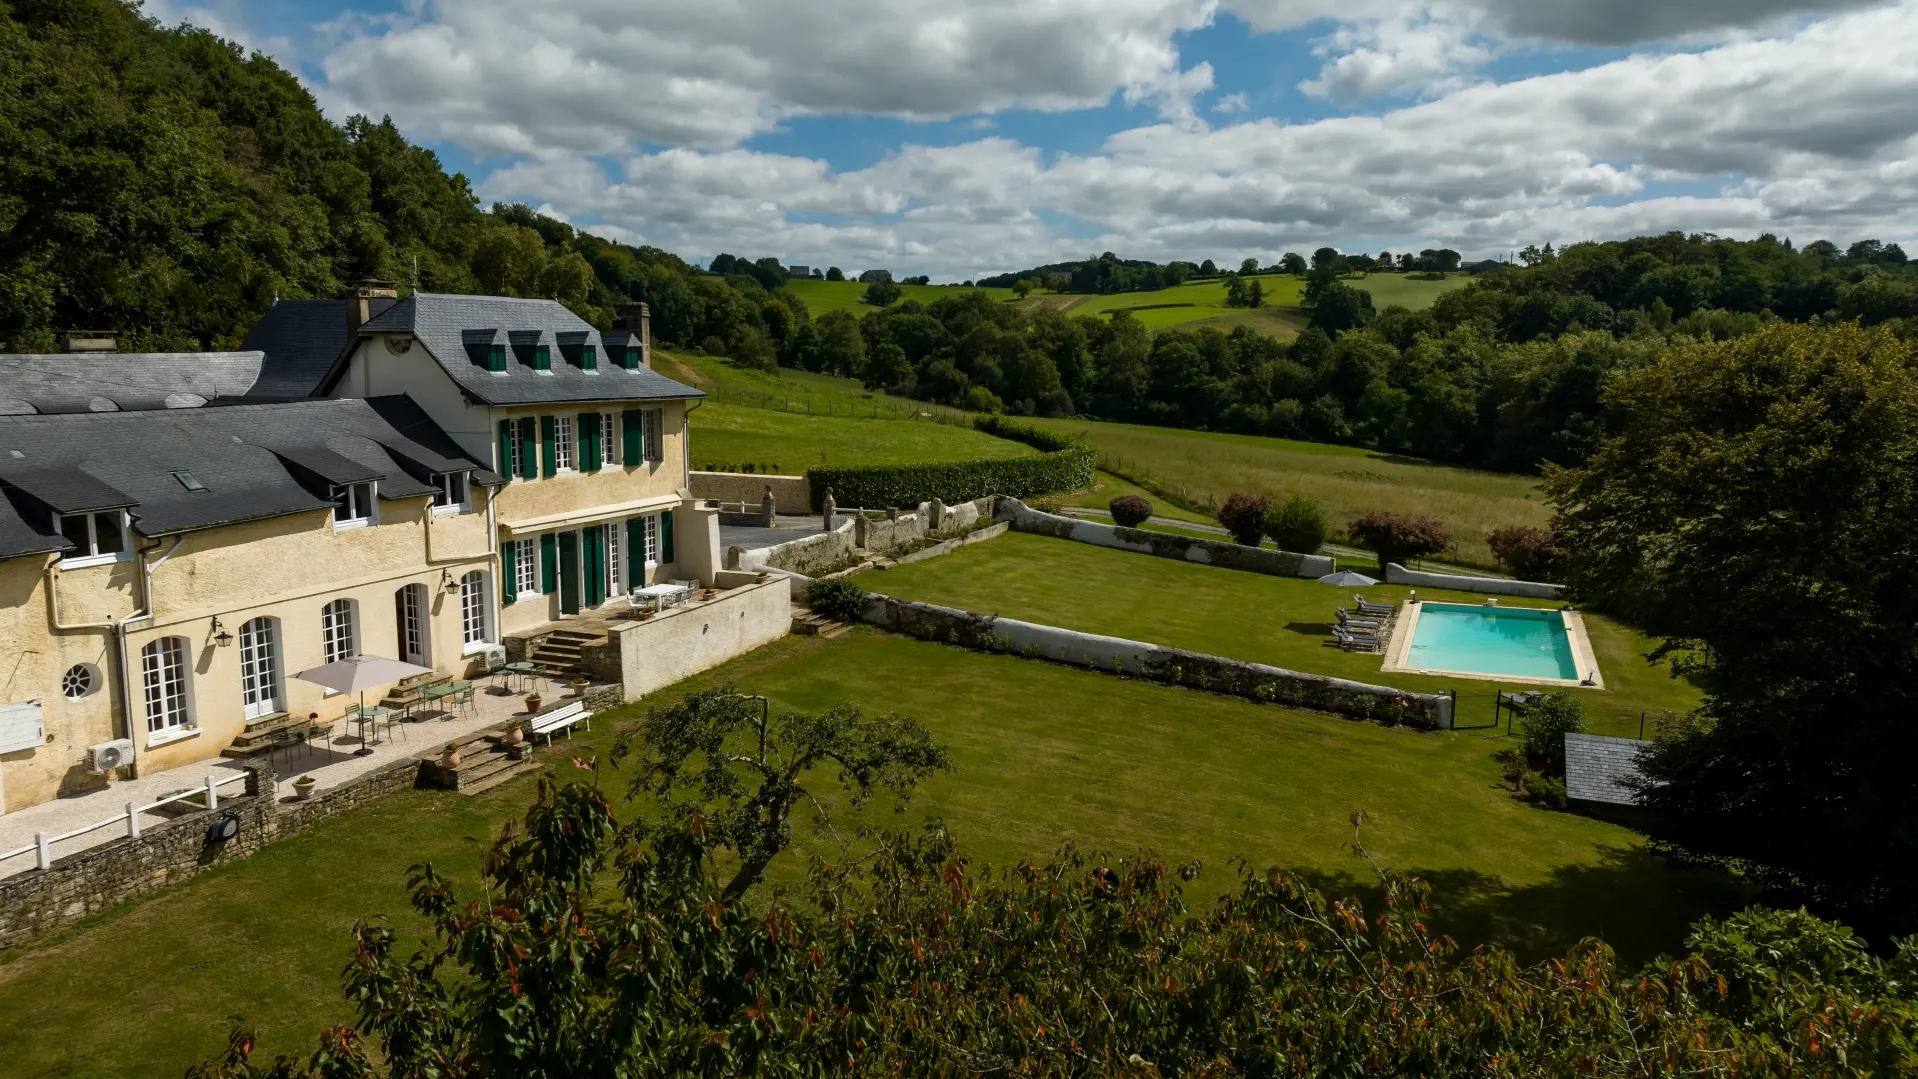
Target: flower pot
{"type": "Point", "coordinates": [579, 687]}
{"type": "Point", "coordinates": [515, 735]}
{"type": "Point", "coordinates": [532, 703]}
{"type": "Point", "coordinates": [303, 789]}
{"type": "Point", "coordinates": [450, 758]}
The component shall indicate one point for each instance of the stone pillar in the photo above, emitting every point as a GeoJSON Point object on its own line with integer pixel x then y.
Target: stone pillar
{"type": "Point", "coordinates": [831, 511]}
{"type": "Point", "coordinates": [261, 778]}
{"type": "Point", "coordinates": [861, 532]}
{"type": "Point", "coordinates": [696, 540]}
{"type": "Point", "coordinates": [892, 513]}
{"type": "Point", "coordinates": [768, 506]}
{"type": "Point", "coordinates": [936, 516]}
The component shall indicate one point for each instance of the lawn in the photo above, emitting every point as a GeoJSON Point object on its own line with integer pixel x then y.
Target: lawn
{"type": "Point", "coordinates": [732, 435]}
{"type": "Point", "coordinates": [1204, 301]}
{"type": "Point", "coordinates": [1045, 755]}
{"type": "Point", "coordinates": [1281, 621]}
{"type": "Point", "coordinates": [823, 296]}
{"type": "Point", "coordinates": [1346, 480]}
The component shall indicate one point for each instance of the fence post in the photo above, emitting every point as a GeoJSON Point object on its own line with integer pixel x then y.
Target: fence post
{"type": "Point", "coordinates": [212, 793]}
{"type": "Point", "coordinates": [42, 851]}
{"type": "Point", "coordinates": [133, 821]}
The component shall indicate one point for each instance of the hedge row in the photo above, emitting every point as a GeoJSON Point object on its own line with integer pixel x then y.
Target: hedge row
{"type": "Point", "coordinates": [1066, 465]}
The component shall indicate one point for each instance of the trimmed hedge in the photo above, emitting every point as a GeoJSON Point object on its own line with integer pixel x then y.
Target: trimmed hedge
{"type": "Point", "coordinates": [1066, 465]}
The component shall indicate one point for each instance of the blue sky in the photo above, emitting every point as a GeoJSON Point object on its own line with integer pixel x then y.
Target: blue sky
{"type": "Point", "coordinates": [961, 137]}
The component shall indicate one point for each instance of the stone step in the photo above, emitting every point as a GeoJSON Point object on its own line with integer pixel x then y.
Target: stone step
{"type": "Point", "coordinates": [813, 625]}
{"type": "Point", "coordinates": [518, 769]}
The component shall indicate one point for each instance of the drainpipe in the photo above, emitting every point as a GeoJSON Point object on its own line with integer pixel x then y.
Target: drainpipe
{"type": "Point", "coordinates": [686, 446]}
{"type": "Point", "coordinates": [125, 676]}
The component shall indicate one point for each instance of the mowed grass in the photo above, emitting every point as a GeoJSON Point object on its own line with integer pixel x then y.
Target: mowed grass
{"type": "Point", "coordinates": [1286, 622]}
{"type": "Point", "coordinates": [823, 296]}
{"type": "Point", "coordinates": [724, 434]}
{"type": "Point", "coordinates": [1346, 480]}
{"type": "Point", "coordinates": [1204, 301]}
{"type": "Point", "coordinates": [1044, 756]}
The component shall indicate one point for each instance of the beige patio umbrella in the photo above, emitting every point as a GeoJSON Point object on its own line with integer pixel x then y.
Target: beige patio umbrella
{"type": "Point", "coordinates": [357, 674]}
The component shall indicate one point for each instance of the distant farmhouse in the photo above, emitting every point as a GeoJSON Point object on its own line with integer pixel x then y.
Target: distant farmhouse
{"type": "Point", "coordinates": [799, 271]}
{"type": "Point", "coordinates": [871, 277]}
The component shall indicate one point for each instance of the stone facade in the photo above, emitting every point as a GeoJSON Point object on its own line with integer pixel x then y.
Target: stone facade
{"type": "Point", "coordinates": [92, 880]}
{"type": "Point", "coordinates": [1163, 544]}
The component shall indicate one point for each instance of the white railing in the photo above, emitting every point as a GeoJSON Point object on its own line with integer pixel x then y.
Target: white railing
{"type": "Point", "coordinates": [42, 846]}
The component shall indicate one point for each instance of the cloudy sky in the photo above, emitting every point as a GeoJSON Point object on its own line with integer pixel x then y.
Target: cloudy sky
{"type": "Point", "coordinates": [962, 137]}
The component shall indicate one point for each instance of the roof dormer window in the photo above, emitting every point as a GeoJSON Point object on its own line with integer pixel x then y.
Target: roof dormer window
{"type": "Point", "coordinates": [496, 359]}
{"type": "Point", "coordinates": [96, 537]}
{"type": "Point", "coordinates": [588, 358]}
{"type": "Point", "coordinates": [630, 359]}
{"type": "Point", "coordinates": [542, 359]}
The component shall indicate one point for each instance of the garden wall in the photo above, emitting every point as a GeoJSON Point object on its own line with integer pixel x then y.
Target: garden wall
{"type": "Point", "coordinates": [790, 492]}
{"type": "Point", "coordinates": [1163, 544]}
{"type": "Point", "coordinates": [1195, 670]}
{"type": "Point", "coordinates": [88, 881]}
{"type": "Point", "coordinates": [1493, 586]}
{"type": "Point", "coordinates": [682, 641]}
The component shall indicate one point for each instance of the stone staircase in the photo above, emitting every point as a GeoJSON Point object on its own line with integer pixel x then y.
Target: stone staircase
{"type": "Point", "coordinates": [485, 763]}
{"type": "Point", "coordinates": [806, 623]}
{"type": "Point", "coordinates": [559, 651]}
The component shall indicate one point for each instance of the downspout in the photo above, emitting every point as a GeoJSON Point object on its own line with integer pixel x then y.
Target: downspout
{"type": "Point", "coordinates": [686, 446]}
{"type": "Point", "coordinates": [120, 640]}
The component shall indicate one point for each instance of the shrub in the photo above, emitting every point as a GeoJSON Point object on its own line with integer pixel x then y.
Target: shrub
{"type": "Point", "coordinates": [837, 599]}
{"type": "Point", "coordinates": [1398, 538]}
{"type": "Point", "coordinates": [1544, 725]}
{"type": "Point", "coordinates": [1543, 789]}
{"type": "Point", "coordinates": [1530, 554]}
{"type": "Point", "coordinates": [881, 294]}
{"type": "Point", "coordinates": [1130, 511]}
{"type": "Point", "coordinates": [1298, 524]}
{"type": "Point", "coordinates": [1065, 466]}
{"type": "Point", "coordinates": [1243, 515]}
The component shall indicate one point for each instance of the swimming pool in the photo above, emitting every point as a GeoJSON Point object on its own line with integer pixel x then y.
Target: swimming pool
{"type": "Point", "coordinates": [1508, 642]}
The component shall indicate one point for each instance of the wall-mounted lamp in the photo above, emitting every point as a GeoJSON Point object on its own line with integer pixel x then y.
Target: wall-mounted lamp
{"type": "Point", "coordinates": [220, 636]}
{"type": "Point", "coordinates": [447, 584]}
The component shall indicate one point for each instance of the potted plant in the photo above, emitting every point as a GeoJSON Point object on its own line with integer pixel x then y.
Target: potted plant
{"type": "Point", "coordinates": [515, 734]}
{"type": "Point", "coordinates": [765, 576]}
{"type": "Point", "coordinates": [580, 682]}
{"type": "Point", "coordinates": [303, 788]}
{"type": "Point", "coordinates": [450, 757]}
{"type": "Point", "coordinates": [532, 704]}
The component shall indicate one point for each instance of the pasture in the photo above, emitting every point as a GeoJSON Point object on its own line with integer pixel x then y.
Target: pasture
{"type": "Point", "coordinates": [823, 296]}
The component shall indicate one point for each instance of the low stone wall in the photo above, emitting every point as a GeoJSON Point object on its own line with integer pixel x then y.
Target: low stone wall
{"type": "Point", "coordinates": [1163, 544]}
{"type": "Point", "coordinates": [816, 548]}
{"type": "Point", "coordinates": [790, 492]}
{"type": "Point", "coordinates": [1491, 586]}
{"type": "Point", "coordinates": [682, 641]}
{"type": "Point", "coordinates": [168, 852]}
{"type": "Point", "coordinates": [1195, 670]}
{"type": "Point", "coordinates": [992, 531]}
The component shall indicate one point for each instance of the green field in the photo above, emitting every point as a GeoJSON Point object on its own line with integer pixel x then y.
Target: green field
{"type": "Point", "coordinates": [823, 296]}
{"type": "Point", "coordinates": [1347, 480]}
{"type": "Point", "coordinates": [1204, 301]}
{"type": "Point", "coordinates": [1285, 622]}
{"type": "Point", "coordinates": [726, 434]}
{"type": "Point", "coordinates": [1045, 755]}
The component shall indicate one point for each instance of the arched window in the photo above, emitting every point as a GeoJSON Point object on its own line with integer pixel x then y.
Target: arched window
{"type": "Point", "coordinates": [473, 607]}
{"type": "Point", "coordinates": [339, 633]}
{"type": "Point", "coordinates": [260, 667]}
{"type": "Point", "coordinates": [409, 611]}
{"type": "Point", "coordinates": [163, 684]}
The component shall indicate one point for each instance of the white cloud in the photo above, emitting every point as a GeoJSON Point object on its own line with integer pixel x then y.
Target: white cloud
{"type": "Point", "coordinates": [1582, 22]}
{"type": "Point", "coordinates": [1413, 52]}
{"type": "Point", "coordinates": [230, 19]}
{"type": "Point", "coordinates": [1807, 134]}
{"type": "Point", "coordinates": [1229, 104]}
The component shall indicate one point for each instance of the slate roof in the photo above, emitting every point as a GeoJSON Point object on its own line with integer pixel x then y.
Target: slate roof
{"type": "Point", "coordinates": [302, 339]}
{"type": "Point", "coordinates": [254, 461]}
{"type": "Point", "coordinates": [106, 381]}
{"type": "Point", "coordinates": [1596, 766]}
{"type": "Point", "coordinates": [459, 330]}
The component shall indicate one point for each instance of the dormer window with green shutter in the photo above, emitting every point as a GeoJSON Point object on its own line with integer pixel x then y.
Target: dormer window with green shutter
{"type": "Point", "coordinates": [631, 359]}
{"type": "Point", "coordinates": [496, 359]}
{"type": "Point", "coordinates": [542, 358]}
{"type": "Point", "coordinates": [589, 358]}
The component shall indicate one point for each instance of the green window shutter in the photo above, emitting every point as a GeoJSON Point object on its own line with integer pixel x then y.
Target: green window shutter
{"type": "Point", "coordinates": [636, 551]}
{"type": "Point", "coordinates": [589, 358]}
{"type": "Point", "coordinates": [528, 448]}
{"type": "Point", "coordinates": [632, 359]}
{"type": "Point", "coordinates": [505, 466]}
{"type": "Point", "coordinates": [548, 455]}
{"type": "Point", "coordinates": [548, 563]}
{"type": "Point", "coordinates": [593, 565]}
{"type": "Point", "coordinates": [666, 536]}
{"type": "Point", "coordinates": [508, 573]}
{"type": "Point", "coordinates": [632, 435]}
{"type": "Point", "coordinates": [589, 456]}
{"type": "Point", "coordinates": [496, 358]}
{"type": "Point", "coordinates": [542, 358]}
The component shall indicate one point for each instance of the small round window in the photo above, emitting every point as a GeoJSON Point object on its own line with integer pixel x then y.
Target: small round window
{"type": "Point", "coordinates": [80, 680]}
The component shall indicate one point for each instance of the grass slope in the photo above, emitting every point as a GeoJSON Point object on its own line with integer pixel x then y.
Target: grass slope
{"type": "Point", "coordinates": [726, 434]}
{"type": "Point", "coordinates": [1203, 302]}
{"type": "Point", "coordinates": [1281, 621]}
{"type": "Point", "coordinates": [823, 296]}
{"type": "Point", "coordinates": [1045, 756]}
{"type": "Point", "coordinates": [1347, 480]}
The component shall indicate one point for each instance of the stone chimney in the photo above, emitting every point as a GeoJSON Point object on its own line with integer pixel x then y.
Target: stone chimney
{"type": "Point", "coordinates": [637, 319]}
{"type": "Point", "coordinates": [359, 303]}
{"type": "Point", "coordinates": [90, 341]}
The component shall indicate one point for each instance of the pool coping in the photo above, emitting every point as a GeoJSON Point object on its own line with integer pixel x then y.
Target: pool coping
{"type": "Point", "coordinates": [1398, 648]}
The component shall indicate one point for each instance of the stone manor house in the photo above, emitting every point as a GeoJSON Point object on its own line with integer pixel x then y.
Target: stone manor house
{"type": "Point", "coordinates": [424, 478]}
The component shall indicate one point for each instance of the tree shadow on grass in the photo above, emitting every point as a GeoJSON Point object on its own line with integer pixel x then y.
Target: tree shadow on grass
{"type": "Point", "coordinates": [1311, 629]}
{"type": "Point", "coordinates": [1633, 899]}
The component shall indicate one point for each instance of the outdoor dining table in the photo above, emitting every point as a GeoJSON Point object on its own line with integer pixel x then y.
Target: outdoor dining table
{"type": "Point", "coordinates": [526, 671]}
{"type": "Point", "coordinates": [660, 596]}
{"type": "Point", "coordinates": [443, 690]}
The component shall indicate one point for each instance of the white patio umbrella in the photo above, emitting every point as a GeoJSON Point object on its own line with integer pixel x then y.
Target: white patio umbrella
{"type": "Point", "coordinates": [358, 674]}
{"type": "Point", "coordinates": [1347, 579]}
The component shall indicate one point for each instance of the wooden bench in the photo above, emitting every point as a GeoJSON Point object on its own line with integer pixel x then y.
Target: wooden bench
{"type": "Point", "coordinates": [562, 718]}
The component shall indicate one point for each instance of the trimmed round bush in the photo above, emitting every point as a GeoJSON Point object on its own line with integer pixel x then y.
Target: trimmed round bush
{"type": "Point", "coordinates": [1397, 538]}
{"type": "Point", "coordinates": [1298, 524]}
{"type": "Point", "coordinates": [1130, 511]}
{"type": "Point", "coordinates": [1243, 515]}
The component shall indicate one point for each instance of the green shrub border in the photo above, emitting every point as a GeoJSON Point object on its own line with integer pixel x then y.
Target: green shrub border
{"type": "Point", "coordinates": [1064, 465]}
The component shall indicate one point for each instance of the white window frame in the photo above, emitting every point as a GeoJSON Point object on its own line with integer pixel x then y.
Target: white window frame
{"type": "Point", "coordinates": [652, 436]}
{"type": "Point", "coordinates": [608, 438]}
{"type": "Point", "coordinates": [515, 446]}
{"type": "Point", "coordinates": [526, 568]}
{"type": "Point", "coordinates": [339, 630]}
{"type": "Point", "coordinates": [262, 692]}
{"type": "Point", "coordinates": [359, 516]}
{"type": "Point", "coordinates": [452, 492]}
{"type": "Point", "coordinates": [476, 630]}
{"type": "Point", "coordinates": [92, 555]}
{"type": "Point", "coordinates": [652, 539]}
{"type": "Point", "coordinates": [615, 569]}
{"type": "Point", "coordinates": [166, 689]}
{"type": "Point", "coordinates": [412, 608]}
{"type": "Point", "coordinates": [564, 451]}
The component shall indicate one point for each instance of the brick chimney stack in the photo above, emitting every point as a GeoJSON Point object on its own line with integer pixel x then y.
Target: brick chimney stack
{"type": "Point", "coordinates": [637, 319]}
{"type": "Point", "coordinates": [359, 303]}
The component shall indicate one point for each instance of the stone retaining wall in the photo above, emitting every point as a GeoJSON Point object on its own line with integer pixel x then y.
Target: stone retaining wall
{"type": "Point", "coordinates": [168, 852]}
{"type": "Point", "coordinates": [1163, 544]}
{"type": "Point", "coordinates": [1492, 586]}
{"type": "Point", "coordinates": [790, 492]}
{"type": "Point", "coordinates": [1194, 670]}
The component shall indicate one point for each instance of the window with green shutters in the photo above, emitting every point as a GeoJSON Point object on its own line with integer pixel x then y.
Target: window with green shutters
{"type": "Point", "coordinates": [528, 448]}
{"type": "Point", "coordinates": [542, 358]}
{"type": "Point", "coordinates": [636, 551]}
{"type": "Point", "coordinates": [548, 447]}
{"type": "Point", "coordinates": [666, 536]}
{"type": "Point", "coordinates": [632, 436]}
{"type": "Point", "coordinates": [589, 449]}
{"type": "Point", "coordinates": [496, 359]}
{"type": "Point", "coordinates": [631, 359]}
{"type": "Point", "coordinates": [508, 573]}
{"type": "Point", "coordinates": [508, 446]}
{"type": "Point", "coordinates": [548, 563]}
{"type": "Point", "coordinates": [589, 358]}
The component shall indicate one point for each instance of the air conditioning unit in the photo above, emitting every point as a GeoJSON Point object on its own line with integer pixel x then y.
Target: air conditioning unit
{"type": "Point", "coordinates": [107, 756]}
{"type": "Point", "coordinates": [494, 656]}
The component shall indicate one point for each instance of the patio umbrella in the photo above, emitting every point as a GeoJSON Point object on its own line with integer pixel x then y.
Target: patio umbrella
{"type": "Point", "coordinates": [1347, 579]}
{"type": "Point", "coordinates": [357, 674]}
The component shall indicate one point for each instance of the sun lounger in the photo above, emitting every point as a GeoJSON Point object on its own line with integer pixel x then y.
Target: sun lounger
{"type": "Point", "coordinates": [1384, 610]}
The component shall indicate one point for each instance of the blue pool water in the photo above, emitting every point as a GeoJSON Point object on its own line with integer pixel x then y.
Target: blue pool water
{"type": "Point", "coordinates": [1492, 640]}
